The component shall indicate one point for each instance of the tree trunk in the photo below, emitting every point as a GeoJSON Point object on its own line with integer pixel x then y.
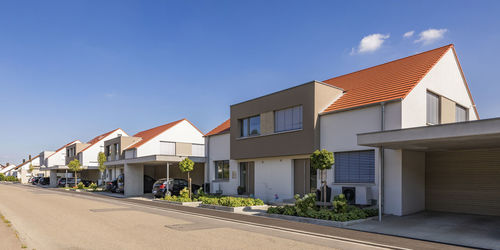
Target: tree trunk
{"type": "Point", "coordinates": [189, 184]}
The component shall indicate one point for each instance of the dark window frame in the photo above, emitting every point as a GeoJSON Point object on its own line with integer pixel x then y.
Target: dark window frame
{"type": "Point", "coordinates": [245, 126]}
{"type": "Point", "coordinates": [222, 168]}
{"type": "Point", "coordinates": [351, 169]}
{"type": "Point", "coordinates": [276, 120]}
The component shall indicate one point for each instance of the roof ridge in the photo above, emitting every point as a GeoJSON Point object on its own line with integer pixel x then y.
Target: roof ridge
{"type": "Point", "coordinates": [101, 135]}
{"type": "Point", "coordinates": [379, 65]}
{"type": "Point", "coordinates": [159, 126]}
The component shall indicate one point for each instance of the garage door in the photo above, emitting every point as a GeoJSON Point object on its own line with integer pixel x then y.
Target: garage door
{"type": "Point", "coordinates": [463, 181]}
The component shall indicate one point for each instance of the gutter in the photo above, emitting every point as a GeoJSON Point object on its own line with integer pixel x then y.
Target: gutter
{"type": "Point", "coordinates": [382, 163]}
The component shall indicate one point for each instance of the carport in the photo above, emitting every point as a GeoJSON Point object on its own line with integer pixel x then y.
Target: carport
{"type": "Point", "coordinates": [447, 168]}
{"type": "Point", "coordinates": [157, 166]}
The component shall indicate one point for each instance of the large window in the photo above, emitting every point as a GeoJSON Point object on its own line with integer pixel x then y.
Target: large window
{"type": "Point", "coordinates": [460, 113]}
{"type": "Point", "coordinates": [250, 126]}
{"type": "Point", "coordinates": [221, 170]}
{"type": "Point", "coordinates": [288, 119]}
{"type": "Point", "coordinates": [355, 167]}
{"type": "Point", "coordinates": [432, 108]}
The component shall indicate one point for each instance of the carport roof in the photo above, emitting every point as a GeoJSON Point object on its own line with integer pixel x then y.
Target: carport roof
{"type": "Point", "coordinates": [454, 136]}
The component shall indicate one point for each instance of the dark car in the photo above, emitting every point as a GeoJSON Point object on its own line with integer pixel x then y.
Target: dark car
{"type": "Point", "coordinates": [173, 186]}
{"type": "Point", "coordinates": [111, 186]}
{"type": "Point", "coordinates": [44, 181]}
{"type": "Point", "coordinates": [120, 184]}
{"type": "Point", "coordinates": [71, 182]}
{"type": "Point", "coordinates": [35, 180]}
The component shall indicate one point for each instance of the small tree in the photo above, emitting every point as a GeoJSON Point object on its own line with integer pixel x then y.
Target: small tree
{"type": "Point", "coordinates": [75, 166]}
{"type": "Point", "coordinates": [31, 168]}
{"type": "Point", "coordinates": [101, 159]}
{"type": "Point", "coordinates": [187, 165]}
{"type": "Point", "coordinates": [322, 160]}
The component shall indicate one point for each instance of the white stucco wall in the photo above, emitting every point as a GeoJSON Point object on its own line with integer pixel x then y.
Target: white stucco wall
{"type": "Point", "coordinates": [89, 156]}
{"type": "Point", "coordinates": [339, 133]}
{"type": "Point", "coordinates": [59, 157]}
{"type": "Point", "coordinates": [443, 79]}
{"type": "Point", "coordinates": [274, 176]}
{"type": "Point", "coordinates": [413, 176]}
{"type": "Point", "coordinates": [181, 132]}
{"type": "Point", "coordinates": [218, 151]}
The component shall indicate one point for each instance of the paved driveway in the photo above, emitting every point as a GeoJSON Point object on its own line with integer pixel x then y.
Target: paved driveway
{"type": "Point", "coordinates": [462, 229]}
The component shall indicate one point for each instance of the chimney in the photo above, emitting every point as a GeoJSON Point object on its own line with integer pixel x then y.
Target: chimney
{"type": "Point", "coordinates": [24, 160]}
{"type": "Point", "coordinates": [8, 164]}
{"type": "Point", "coordinates": [29, 156]}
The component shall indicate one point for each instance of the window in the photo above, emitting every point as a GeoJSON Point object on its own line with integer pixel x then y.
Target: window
{"type": "Point", "coordinates": [222, 170]}
{"type": "Point", "coordinates": [288, 119]}
{"type": "Point", "coordinates": [355, 167]}
{"type": "Point", "coordinates": [460, 114]}
{"type": "Point", "coordinates": [198, 150]}
{"type": "Point", "coordinates": [250, 126]}
{"type": "Point", "coordinates": [107, 150]}
{"type": "Point", "coordinates": [432, 108]}
{"type": "Point", "coordinates": [167, 148]}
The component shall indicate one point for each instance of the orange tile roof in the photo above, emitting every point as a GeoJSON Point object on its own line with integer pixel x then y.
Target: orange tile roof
{"type": "Point", "coordinates": [149, 134]}
{"type": "Point", "coordinates": [223, 128]}
{"type": "Point", "coordinates": [98, 139]}
{"type": "Point", "coordinates": [63, 147]}
{"type": "Point", "coordinates": [385, 82]}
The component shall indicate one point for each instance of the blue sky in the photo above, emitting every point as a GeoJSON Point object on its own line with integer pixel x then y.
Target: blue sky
{"type": "Point", "coordinates": [75, 69]}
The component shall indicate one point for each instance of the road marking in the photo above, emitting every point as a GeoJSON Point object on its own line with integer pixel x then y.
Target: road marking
{"type": "Point", "coordinates": [217, 218]}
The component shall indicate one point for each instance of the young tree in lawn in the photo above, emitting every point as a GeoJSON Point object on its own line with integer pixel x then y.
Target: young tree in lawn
{"type": "Point", "coordinates": [101, 159]}
{"type": "Point", "coordinates": [322, 160]}
{"type": "Point", "coordinates": [75, 166]}
{"type": "Point", "coordinates": [187, 165]}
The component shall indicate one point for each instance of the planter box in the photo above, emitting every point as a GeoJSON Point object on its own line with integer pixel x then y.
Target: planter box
{"type": "Point", "coordinates": [236, 209]}
{"type": "Point", "coordinates": [188, 204]}
{"type": "Point", "coordinates": [329, 223]}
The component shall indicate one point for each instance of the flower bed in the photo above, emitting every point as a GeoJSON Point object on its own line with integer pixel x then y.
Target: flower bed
{"type": "Point", "coordinates": [306, 207]}
{"type": "Point", "coordinates": [228, 201]}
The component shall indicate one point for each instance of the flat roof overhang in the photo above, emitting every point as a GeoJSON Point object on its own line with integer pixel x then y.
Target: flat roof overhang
{"type": "Point", "coordinates": [155, 159]}
{"type": "Point", "coordinates": [453, 136]}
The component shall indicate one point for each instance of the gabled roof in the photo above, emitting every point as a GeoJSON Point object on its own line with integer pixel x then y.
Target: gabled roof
{"type": "Point", "coordinates": [63, 147]}
{"type": "Point", "coordinates": [26, 162]}
{"type": "Point", "coordinates": [149, 134]}
{"type": "Point", "coordinates": [221, 129]}
{"type": "Point", "coordinates": [98, 139]}
{"type": "Point", "coordinates": [385, 82]}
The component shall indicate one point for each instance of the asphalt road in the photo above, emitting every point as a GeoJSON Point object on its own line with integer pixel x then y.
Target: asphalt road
{"type": "Point", "coordinates": [49, 219]}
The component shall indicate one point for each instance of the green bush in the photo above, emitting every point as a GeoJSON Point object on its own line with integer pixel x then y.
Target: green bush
{"type": "Point", "coordinates": [339, 203]}
{"type": "Point", "coordinates": [230, 201]}
{"type": "Point", "coordinates": [2, 176]}
{"type": "Point", "coordinates": [10, 178]}
{"type": "Point", "coordinates": [178, 198]}
{"type": "Point", "coordinates": [80, 185]}
{"type": "Point", "coordinates": [93, 186]}
{"type": "Point", "coordinates": [305, 205]}
{"type": "Point", "coordinates": [184, 193]}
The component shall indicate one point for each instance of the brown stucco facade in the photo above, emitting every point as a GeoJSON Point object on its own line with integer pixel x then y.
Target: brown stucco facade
{"type": "Point", "coordinates": [312, 96]}
{"type": "Point", "coordinates": [123, 142]}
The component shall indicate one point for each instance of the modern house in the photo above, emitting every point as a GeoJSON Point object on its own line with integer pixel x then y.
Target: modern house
{"type": "Point", "coordinates": [87, 154]}
{"type": "Point", "coordinates": [23, 169]}
{"type": "Point", "coordinates": [393, 129]}
{"type": "Point", "coordinates": [156, 153]}
{"type": "Point", "coordinates": [52, 161]}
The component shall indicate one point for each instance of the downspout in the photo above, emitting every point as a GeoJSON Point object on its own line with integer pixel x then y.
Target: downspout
{"type": "Point", "coordinates": [382, 163]}
{"type": "Point", "coordinates": [207, 168]}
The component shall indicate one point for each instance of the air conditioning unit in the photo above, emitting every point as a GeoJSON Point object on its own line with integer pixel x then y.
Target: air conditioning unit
{"type": "Point", "coordinates": [359, 195]}
{"type": "Point", "coordinates": [350, 194]}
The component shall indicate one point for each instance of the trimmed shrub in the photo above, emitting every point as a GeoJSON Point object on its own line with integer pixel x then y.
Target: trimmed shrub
{"type": "Point", "coordinates": [93, 186]}
{"type": "Point", "coordinates": [10, 178]}
{"type": "Point", "coordinates": [2, 177]}
{"type": "Point", "coordinates": [80, 185]}
{"type": "Point", "coordinates": [339, 203]}
{"type": "Point", "coordinates": [230, 201]}
{"type": "Point", "coordinates": [306, 205]}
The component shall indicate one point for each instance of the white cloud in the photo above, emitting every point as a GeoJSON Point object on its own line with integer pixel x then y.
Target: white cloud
{"type": "Point", "coordinates": [431, 35]}
{"type": "Point", "coordinates": [409, 34]}
{"type": "Point", "coordinates": [370, 43]}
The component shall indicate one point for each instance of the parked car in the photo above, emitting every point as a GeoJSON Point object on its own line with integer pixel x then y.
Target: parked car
{"type": "Point", "coordinates": [111, 186]}
{"type": "Point", "coordinates": [34, 180]}
{"type": "Point", "coordinates": [173, 186]}
{"type": "Point", "coordinates": [71, 182]}
{"type": "Point", "coordinates": [118, 185]}
{"type": "Point", "coordinates": [44, 181]}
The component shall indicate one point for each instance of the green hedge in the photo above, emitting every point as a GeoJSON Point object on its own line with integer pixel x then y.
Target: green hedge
{"type": "Point", "coordinates": [230, 201]}
{"type": "Point", "coordinates": [8, 178]}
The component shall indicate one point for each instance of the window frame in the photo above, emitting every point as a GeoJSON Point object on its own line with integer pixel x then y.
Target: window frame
{"type": "Point", "coordinates": [245, 125]}
{"type": "Point", "coordinates": [223, 164]}
{"type": "Point", "coordinates": [292, 109]}
{"type": "Point", "coordinates": [466, 110]}
{"type": "Point", "coordinates": [371, 182]}
{"type": "Point", "coordinates": [438, 112]}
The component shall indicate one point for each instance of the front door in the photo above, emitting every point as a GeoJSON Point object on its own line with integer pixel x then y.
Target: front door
{"type": "Point", "coordinates": [304, 177]}
{"type": "Point", "coordinates": [247, 173]}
